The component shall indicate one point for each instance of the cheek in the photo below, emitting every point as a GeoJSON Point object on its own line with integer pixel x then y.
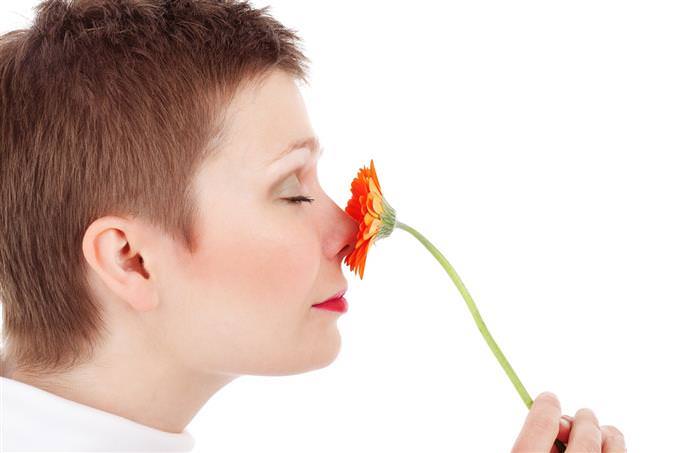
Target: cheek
{"type": "Point", "coordinates": [251, 290]}
{"type": "Point", "coordinates": [264, 263]}
{"type": "Point", "coordinates": [249, 287]}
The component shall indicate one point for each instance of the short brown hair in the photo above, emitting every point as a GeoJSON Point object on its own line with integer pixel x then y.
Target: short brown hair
{"type": "Point", "coordinates": [117, 94]}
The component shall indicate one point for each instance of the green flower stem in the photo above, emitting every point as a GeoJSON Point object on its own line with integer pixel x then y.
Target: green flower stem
{"type": "Point", "coordinates": [475, 313]}
{"type": "Point", "coordinates": [478, 320]}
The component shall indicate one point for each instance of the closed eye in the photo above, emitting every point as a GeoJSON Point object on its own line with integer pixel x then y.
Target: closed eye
{"type": "Point", "coordinates": [298, 199]}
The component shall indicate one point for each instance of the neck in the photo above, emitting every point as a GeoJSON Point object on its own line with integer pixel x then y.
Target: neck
{"type": "Point", "coordinates": [138, 384]}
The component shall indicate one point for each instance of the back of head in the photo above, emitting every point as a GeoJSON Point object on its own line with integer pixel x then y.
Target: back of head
{"type": "Point", "coordinates": [109, 107]}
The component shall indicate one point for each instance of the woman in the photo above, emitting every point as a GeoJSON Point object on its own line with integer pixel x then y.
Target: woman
{"type": "Point", "coordinates": [168, 231]}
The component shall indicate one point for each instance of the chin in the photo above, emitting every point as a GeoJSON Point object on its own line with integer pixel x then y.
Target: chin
{"type": "Point", "coordinates": [323, 354]}
{"type": "Point", "coordinates": [317, 355]}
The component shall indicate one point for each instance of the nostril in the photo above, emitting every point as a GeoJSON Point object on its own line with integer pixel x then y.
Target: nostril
{"type": "Point", "coordinates": [346, 250]}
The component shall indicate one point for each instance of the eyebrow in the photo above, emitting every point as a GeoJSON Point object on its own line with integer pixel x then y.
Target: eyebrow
{"type": "Point", "coordinates": [312, 143]}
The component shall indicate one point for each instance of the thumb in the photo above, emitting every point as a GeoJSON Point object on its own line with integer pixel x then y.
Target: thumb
{"type": "Point", "coordinates": [541, 426]}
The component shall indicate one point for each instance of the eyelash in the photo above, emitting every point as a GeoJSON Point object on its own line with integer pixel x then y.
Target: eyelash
{"type": "Point", "coordinates": [299, 199]}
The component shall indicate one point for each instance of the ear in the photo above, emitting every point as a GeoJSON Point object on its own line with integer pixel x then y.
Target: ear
{"type": "Point", "coordinates": [113, 248]}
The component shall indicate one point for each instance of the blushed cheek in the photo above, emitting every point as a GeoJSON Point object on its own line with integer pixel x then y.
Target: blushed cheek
{"type": "Point", "coordinates": [261, 268]}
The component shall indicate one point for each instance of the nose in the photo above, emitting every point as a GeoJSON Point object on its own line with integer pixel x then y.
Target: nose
{"type": "Point", "coordinates": [341, 233]}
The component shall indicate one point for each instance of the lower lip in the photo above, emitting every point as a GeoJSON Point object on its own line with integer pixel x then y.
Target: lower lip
{"type": "Point", "coordinates": [339, 305]}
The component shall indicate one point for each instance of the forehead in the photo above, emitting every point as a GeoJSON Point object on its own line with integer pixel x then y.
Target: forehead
{"type": "Point", "coordinates": [261, 120]}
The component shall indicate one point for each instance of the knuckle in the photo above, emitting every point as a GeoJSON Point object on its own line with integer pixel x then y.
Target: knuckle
{"type": "Point", "coordinates": [612, 432]}
{"type": "Point", "coordinates": [584, 446]}
{"type": "Point", "coordinates": [585, 412]}
{"type": "Point", "coordinates": [541, 424]}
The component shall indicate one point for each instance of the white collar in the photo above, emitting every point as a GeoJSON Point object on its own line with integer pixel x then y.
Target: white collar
{"type": "Point", "coordinates": [34, 419]}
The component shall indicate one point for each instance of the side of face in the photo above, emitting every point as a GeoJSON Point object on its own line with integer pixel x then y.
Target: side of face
{"type": "Point", "coordinates": [242, 303]}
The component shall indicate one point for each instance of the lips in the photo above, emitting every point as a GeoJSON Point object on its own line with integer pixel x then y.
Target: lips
{"type": "Point", "coordinates": [339, 305]}
{"type": "Point", "coordinates": [335, 296]}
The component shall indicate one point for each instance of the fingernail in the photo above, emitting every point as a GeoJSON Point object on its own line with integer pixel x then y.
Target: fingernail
{"type": "Point", "coordinates": [547, 394]}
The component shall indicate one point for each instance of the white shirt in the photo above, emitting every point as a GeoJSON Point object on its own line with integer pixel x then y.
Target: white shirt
{"type": "Point", "coordinates": [36, 420]}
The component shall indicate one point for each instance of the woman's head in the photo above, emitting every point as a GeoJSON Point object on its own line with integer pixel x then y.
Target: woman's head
{"type": "Point", "coordinates": [241, 303]}
{"type": "Point", "coordinates": [141, 201]}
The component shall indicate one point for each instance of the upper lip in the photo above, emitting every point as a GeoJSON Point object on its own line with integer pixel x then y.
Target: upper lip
{"type": "Point", "coordinates": [337, 295]}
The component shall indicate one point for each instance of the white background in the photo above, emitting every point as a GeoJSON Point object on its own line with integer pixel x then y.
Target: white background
{"type": "Point", "coordinates": [536, 145]}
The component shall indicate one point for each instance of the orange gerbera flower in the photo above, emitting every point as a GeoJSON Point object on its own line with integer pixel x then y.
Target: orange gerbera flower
{"type": "Point", "coordinates": [375, 216]}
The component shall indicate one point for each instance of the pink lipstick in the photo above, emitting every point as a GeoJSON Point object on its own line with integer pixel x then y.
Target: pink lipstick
{"type": "Point", "coordinates": [339, 305]}
{"type": "Point", "coordinates": [336, 302]}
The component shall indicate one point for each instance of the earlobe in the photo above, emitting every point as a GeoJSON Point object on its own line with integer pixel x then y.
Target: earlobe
{"type": "Point", "coordinates": [107, 249]}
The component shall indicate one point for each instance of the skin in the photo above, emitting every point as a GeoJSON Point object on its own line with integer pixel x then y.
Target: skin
{"type": "Point", "coordinates": [181, 327]}
{"type": "Point", "coordinates": [581, 433]}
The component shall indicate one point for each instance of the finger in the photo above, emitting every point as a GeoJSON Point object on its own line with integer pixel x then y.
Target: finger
{"type": "Point", "coordinates": [563, 434]}
{"type": "Point", "coordinates": [585, 433]}
{"type": "Point", "coordinates": [541, 425]}
{"type": "Point", "coordinates": [612, 440]}
{"type": "Point", "coordinates": [565, 428]}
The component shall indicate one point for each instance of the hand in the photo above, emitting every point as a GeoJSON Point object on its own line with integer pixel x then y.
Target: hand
{"type": "Point", "coordinates": [581, 434]}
